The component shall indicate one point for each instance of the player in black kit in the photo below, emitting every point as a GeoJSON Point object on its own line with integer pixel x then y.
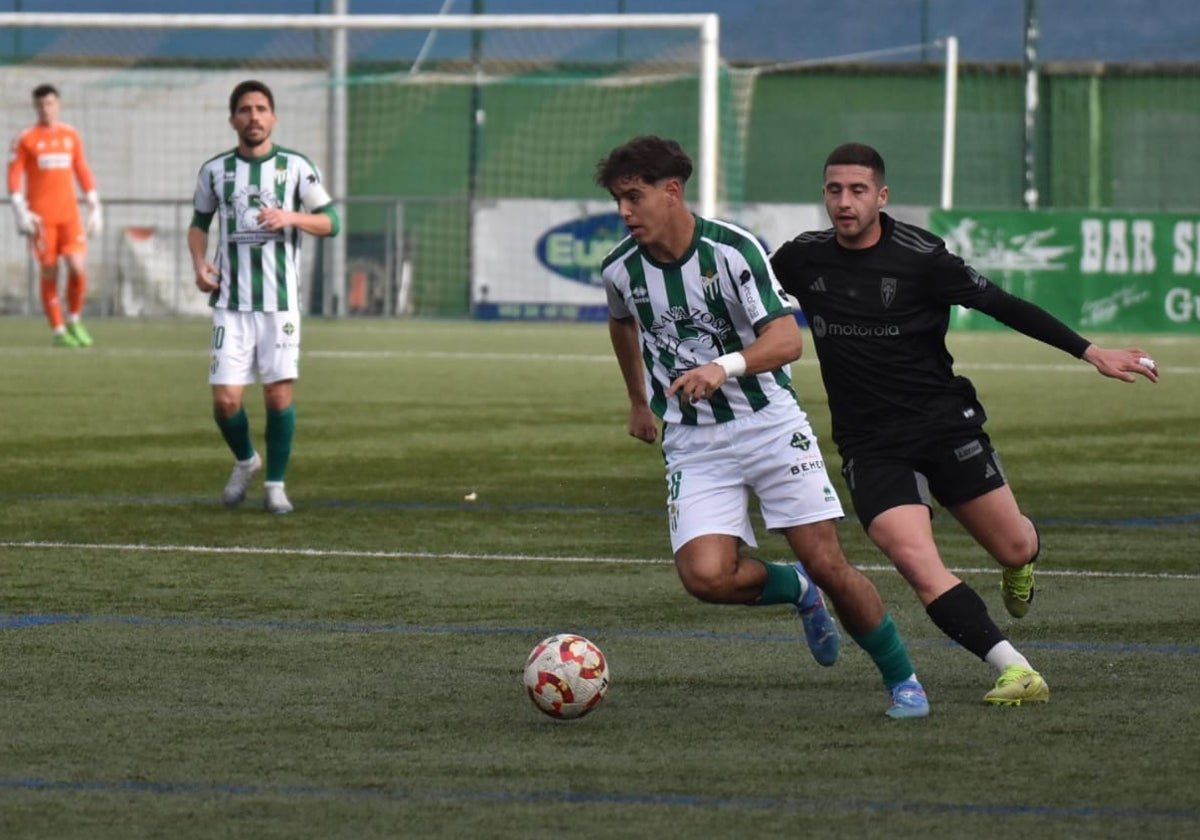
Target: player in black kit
{"type": "Point", "coordinates": [877, 295]}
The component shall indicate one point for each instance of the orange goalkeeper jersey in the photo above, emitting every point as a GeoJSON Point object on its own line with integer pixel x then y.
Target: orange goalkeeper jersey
{"type": "Point", "coordinates": [50, 158]}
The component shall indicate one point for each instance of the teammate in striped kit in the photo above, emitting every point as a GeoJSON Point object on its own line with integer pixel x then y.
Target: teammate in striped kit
{"type": "Point", "coordinates": [704, 338]}
{"type": "Point", "coordinates": [265, 196]}
{"type": "Point", "coordinates": [43, 165]}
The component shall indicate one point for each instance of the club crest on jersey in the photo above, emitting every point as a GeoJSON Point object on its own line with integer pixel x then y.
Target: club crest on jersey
{"type": "Point", "coordinates": [692, 336]}
{"type": "Point", "coordinates": [280, 176]}
{"type": "Point", "coordinates": [887, 291]}
{"type": "Point", "coordinates": [710, 283]}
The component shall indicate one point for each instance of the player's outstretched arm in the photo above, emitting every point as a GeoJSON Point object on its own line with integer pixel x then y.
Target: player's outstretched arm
{"type": "Point", "coordinates": [1122, 363]}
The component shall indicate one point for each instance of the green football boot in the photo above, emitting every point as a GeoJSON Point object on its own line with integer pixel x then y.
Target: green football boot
{"type": "Point", "coordinates": [1016, 585]}
{"type": "Point", "coordinates": [81, 335]}
{"type": "Point", "coordinates": [64, 339]}
{"type": "Point", "coordinates": [1018, 685]}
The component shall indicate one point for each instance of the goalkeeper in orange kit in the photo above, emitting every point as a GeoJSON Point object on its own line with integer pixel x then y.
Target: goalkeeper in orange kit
{"type": "Point", "coordinates": [48, 158]}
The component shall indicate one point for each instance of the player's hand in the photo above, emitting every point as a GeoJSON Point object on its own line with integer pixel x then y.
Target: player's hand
{"type": "Point", "coordinates": [274, 218]}
{"type": "Point", "coordinates": [28, 222]}
{"type": "Point", "coordinates": [207, 279]}
{"type": "Point", "coordinates": [1122, 364]}
{"type": "Point", "coordinates": [642, 424]}
{"type": "Point", "coordinates": [699, 383]}
{"type": "Point", "coordinates": [95, 222]}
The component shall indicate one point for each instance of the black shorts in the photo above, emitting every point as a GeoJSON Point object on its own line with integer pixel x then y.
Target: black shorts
{"type": "Point", "coordinates": [950, 470]}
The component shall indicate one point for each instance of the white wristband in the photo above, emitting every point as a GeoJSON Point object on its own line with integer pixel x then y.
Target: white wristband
{"type": "Point", "coordinates": [733, 363]}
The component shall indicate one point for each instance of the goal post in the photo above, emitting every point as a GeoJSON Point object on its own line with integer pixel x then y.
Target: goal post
{"type": "Point", "coordinates": [324, 83]}
{"type": "Point", "coordinates": [887, 97]}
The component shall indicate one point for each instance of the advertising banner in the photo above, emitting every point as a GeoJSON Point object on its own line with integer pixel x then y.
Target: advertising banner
{"type": "Point", "coordinates": [540, 260]}
{"type": "Point", "coordinates": [1095, 271]}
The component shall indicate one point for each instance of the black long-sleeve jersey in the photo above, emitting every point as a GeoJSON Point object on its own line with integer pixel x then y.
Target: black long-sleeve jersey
{"type": "Point", "coordinates": [879, 317]}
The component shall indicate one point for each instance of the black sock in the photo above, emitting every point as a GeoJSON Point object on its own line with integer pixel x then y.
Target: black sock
{"type": "Point", "coordinates": [961, 614]}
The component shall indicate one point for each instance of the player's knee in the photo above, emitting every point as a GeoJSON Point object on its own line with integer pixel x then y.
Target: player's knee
{"type": "Point", "coordinates": [711, 582]}
{"type": "Point", "coordinates": [1017, 551]}
{"type": "Point", "coordinates": [907, 555]}
{"type": "Point", "coordinates": [226, 405]}
{"type": "Point", "coordinates": [707, 587]}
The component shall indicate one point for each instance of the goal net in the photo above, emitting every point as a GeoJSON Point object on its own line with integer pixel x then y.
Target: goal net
{"type": "Point", "coordinates": [444, 139]}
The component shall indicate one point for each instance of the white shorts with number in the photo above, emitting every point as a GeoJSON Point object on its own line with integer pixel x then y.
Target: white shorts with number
{"type": "Point", "coordinates": [246, 345]}
{"type": "Point", "coordinates": [712, 469]}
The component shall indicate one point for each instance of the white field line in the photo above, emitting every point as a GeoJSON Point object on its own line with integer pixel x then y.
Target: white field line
{"type": "Point", "coordinates": [513, 558]}
{"type": "Point", "coordinates": [573, 358]}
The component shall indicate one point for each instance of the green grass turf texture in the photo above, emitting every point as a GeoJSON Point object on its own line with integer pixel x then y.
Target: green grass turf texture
{"type": "Point", "coordinates": [172, 668]}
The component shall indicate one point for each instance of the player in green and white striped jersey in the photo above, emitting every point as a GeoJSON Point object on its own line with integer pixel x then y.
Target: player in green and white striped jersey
{"type": "Point", "coordinates": [704, 336]}
{"type": "Point", "coordinates": [264, 196]}
{"type": "Point", "coordinates": [697, 309]}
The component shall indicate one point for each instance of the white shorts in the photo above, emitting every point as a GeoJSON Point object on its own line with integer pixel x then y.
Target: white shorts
{"type": "Point", "coordinates": [712, 469]}
{"type": "Point", "coordinates": [246, 345]}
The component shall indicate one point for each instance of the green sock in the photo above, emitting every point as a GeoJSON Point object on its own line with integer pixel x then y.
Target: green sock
{"type": "Point", "coordinates": [782, 586]}
{"type": "Point", "coordinates": [281, 425]}
{"type": "Point", "coordinates": [888, 652]}
{"type": "Point", "coordinates": [236, 431]}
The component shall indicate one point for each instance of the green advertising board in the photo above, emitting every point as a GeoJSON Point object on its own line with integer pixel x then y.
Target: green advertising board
{"type": "Point", "coordinates": [1096, 271]}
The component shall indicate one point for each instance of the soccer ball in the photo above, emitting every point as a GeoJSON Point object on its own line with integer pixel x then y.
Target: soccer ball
{"type": "Point", "coordinates": [566, 676]}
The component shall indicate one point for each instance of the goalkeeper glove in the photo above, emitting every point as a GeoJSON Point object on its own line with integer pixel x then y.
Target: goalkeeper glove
{"type": "Point", "coordinates": [94, 222]}
{"type": "Point", "coordinates": [28, 222]}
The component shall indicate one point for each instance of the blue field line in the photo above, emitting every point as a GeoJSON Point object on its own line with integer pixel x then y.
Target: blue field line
{"type": "Point", "coordinates": [567, 797]}
{"type": "Point", "coordinates": [17, 622]}
{"type": "Point", "coordinates": [10, 622]}
{"type": "Point", "coordinates": [1122, 522]}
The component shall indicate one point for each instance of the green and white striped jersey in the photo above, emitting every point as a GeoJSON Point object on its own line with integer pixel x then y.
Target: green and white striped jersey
{"type": "Point", "coordinates": [689, 312]}
{"type": "Point", "coordinates": [260, 269]}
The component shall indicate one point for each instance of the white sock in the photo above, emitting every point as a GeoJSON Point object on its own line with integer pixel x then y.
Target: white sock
{"type": "Point", "coordinates": [1004, 655]}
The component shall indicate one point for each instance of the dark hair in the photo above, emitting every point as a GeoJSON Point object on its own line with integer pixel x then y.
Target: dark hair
{"type": "Point", "coordinates": [858, 154]}
{"type": "Point", "coordinates": [648, 157]}
{"type": "Point", "coordinates": [44, 90]}
{"type": "Point", "coordinates": [249, 86]}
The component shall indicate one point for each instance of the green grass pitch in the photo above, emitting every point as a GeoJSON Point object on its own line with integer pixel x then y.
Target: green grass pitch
{"type": "Point", "coordinates": [172, 668]}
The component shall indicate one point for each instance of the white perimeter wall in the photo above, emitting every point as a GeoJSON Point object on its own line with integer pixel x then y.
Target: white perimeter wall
{"type": "Point", "coordinates": [146, 132]}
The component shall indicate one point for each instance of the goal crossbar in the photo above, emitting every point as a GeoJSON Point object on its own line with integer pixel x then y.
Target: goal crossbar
{"type": "Point", "coordinates": [706, 24]}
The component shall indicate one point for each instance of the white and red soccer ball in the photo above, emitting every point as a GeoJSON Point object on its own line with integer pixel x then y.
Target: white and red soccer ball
{"type": "Point", "coordinates": [566, 676]}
